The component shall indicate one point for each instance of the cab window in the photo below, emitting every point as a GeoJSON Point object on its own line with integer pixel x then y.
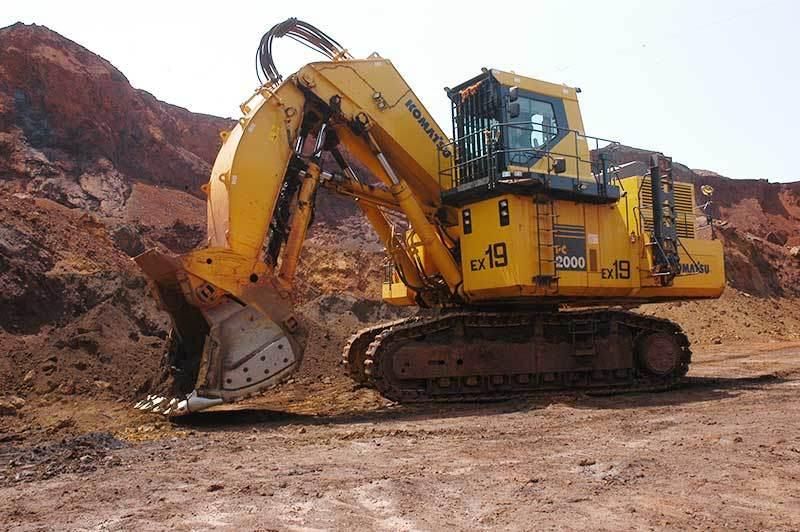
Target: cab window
{"type": "Point", "coordinates": [534, 127]}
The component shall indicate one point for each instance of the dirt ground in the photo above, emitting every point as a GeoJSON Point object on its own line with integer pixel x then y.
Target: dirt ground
{"type": "Point", "coordinates": [721, 452]}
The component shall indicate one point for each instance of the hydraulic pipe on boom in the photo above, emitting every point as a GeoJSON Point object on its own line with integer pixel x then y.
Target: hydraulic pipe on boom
{"type": "Point", "coordinates": [440, 255]}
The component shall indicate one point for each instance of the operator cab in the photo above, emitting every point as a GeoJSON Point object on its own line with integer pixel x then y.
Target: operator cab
{"type": "Point", "coordinates": [520, 135]}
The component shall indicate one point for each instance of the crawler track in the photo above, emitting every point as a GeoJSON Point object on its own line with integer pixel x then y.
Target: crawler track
{"type": "Point", "coordinates": [492, 355]}
{"type": "Point", "coordinates": [355, 349]}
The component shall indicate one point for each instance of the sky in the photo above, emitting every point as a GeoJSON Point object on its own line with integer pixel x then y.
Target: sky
{"type": "Point", "coordinates": [712, 83]}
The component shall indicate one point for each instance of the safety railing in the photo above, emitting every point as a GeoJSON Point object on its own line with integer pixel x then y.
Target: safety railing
{"type": "Point", "coordinates": [488, 152]}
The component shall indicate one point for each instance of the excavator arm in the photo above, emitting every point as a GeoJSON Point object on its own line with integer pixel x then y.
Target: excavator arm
{"type": "Point", "coordinates": [234, 332]}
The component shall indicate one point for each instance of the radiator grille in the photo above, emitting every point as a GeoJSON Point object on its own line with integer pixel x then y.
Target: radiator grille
{"type": "Point", "coordinates": [684, 207]}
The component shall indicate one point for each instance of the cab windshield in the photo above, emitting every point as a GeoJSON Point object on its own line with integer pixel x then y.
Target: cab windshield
{"type": "Point", "coordinates": [532, 130]}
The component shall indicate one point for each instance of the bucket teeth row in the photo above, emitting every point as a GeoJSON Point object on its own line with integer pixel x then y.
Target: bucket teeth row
{"type": "Point", "coordinates": [177, 407]}
{"type": "Point", "coordinates": [160, 405]}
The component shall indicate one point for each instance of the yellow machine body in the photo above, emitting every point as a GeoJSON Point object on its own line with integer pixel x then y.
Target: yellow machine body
{"type": "Point", "coordinates": [596, 251]}
{"type": "Point", "coordinates": [573, 252]}
{"type": "Point", "coordinates": [602, 253]}
{"type": "Point", "coordinates": [504, 213]}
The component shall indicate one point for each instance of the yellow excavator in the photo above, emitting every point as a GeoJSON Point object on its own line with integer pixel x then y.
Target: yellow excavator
{"type": "Point", "coordinates": [526, 244]}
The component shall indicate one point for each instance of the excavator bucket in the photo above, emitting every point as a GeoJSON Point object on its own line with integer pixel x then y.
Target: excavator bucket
{"type": "Point", "coordinates": [218, 353]}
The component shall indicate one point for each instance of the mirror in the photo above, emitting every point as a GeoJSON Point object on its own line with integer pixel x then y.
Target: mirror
{"type": "Point", "coordinates": [513, 110]}
{"type": "Point", "coordinates": [513, 94]}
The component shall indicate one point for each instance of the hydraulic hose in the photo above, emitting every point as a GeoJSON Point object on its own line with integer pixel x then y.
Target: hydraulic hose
{"type": "Point", "coordinates": [299, 31]}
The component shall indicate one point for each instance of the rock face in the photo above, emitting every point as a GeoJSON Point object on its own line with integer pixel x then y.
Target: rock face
{"type": "Point", "coordinates": [72, 124]}
{"type": "Point", "coordinates": [75, 310]}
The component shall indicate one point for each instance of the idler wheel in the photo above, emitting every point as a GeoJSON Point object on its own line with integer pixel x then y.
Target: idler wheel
{"type": "Point", "coordinates": [659, 353]}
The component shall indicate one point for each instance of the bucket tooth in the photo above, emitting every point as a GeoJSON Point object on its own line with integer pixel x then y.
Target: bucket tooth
{"type": "Point", "coordinates": [145, 405]}
{"type": "Point", "coordinates": [159, 405]}
{"type": "Point", "coordinates": [142, 405]}
{"type": "Point", "coordinates": [182, 409]}
{"type": "Point", "coordinates": [195, 403]}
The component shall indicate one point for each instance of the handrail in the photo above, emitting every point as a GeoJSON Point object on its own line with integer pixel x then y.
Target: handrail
{"type": "Point", "coordinates": [485, 163]}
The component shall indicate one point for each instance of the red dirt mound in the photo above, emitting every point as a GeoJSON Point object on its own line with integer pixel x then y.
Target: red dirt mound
{"type": "Point", "coordinates": [65, 112]}
{"type": "Point", "coordinates": [76, 315]}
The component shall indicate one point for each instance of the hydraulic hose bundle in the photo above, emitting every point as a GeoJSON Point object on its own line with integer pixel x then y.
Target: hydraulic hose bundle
{"type": "Point", "coordinates": [299, 31]}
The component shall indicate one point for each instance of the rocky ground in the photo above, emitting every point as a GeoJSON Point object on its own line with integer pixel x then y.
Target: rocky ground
{"type": "Point", "coordinates": [720, 453]}
{"type": "Point", "coordinates": [93, 171]}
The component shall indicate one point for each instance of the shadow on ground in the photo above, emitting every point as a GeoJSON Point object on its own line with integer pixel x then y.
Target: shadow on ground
{"type": "Point", "coordinates": [690, 390]}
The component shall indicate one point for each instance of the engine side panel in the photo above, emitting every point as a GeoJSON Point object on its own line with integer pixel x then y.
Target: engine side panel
{"type": "Point", "coordinates": [592, 252]}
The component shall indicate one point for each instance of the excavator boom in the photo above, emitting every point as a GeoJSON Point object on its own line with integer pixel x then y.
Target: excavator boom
{"type": "Point", "coordinates": [234, 333]}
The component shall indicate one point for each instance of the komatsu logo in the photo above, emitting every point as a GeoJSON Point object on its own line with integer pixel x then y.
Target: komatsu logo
{"type": "Point", "coordinates": [428, 128]}
{"type": "Point", "coordinates": [695, 268]}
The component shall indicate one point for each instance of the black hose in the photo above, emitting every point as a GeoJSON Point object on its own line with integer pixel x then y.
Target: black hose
{"type": "Point", "coordinates": [299, 31]}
